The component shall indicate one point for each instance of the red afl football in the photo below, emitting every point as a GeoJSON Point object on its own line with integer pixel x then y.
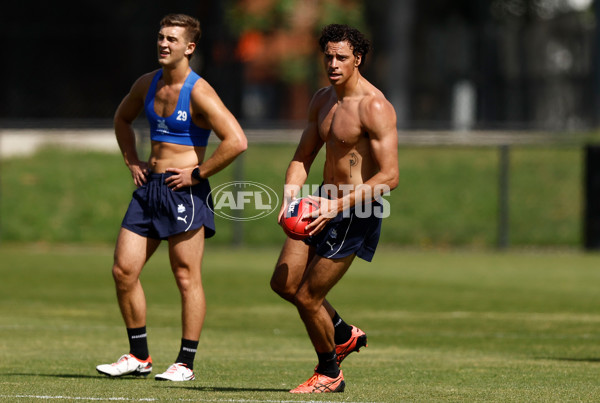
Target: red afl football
{"type": "Point", "coordinates": [293, 224]}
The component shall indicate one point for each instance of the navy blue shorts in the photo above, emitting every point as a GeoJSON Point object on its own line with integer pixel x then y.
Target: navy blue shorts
{"type": "Point", "coordinates": [349, 232]}
{"type": "Point", "coordinates": [158, 212]}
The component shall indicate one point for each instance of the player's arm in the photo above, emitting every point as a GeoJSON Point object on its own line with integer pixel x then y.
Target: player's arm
{"type": "Point", "coordinates": [305, 154]}
{"type": "Point", "coordinates": [127, 111]}
{"type": "Point", "coordinates": [379, 121]}
{"type": "Point", "coordinates": [206, 102]}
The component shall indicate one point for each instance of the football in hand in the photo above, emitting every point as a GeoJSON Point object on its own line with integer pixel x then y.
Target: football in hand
{"type": "Point", "coordinates": [293, 224]}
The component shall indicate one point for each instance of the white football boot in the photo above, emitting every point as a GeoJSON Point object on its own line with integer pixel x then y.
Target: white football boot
{"type": "Point", "coordinates": [126, 365]}
{"type": "Point", "coordinates": [177, 372]}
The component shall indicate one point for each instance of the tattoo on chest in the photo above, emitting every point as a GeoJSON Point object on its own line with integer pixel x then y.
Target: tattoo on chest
{"type": "Point", "coordinates": [353, 161]}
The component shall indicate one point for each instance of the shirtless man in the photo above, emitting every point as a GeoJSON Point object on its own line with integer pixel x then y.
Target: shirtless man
{"type": "Point", "coordinates": [172, 198]}
{"type": "Point", "coordinates": [357, 125]}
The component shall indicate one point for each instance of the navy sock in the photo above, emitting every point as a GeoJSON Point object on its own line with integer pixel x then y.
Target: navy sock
{"type": "Point", "coordinates": [328, 364]}
{"type": "Point", "coordinates": [187, 352]}
{"type": "Point", "coordinates": [343, 331]}
{"type": "Point", "coordinates": [138, 342]}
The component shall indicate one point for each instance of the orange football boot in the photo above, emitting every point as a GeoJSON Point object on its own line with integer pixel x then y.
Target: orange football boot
{"type": "Point", "coordinates": [319, 383]}
{"type": "Point", "coordinates": [357, 340]}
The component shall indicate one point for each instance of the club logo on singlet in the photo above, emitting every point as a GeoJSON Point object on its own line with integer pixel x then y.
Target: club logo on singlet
{"type": "Point", "coordinates": [161, 126]}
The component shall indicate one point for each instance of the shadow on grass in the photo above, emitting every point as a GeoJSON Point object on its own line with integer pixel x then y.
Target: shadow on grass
{"type": "Point", "coordinates": [138, 378]}
{"type": "Point", "coordinates": [231, 389]}
{"type": "Point", "coordinates": [69, 376]}
{"type": "Point", "coordinates": [572, 359]}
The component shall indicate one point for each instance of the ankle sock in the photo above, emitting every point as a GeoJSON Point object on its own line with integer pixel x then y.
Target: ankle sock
{"type": "Point", "coordinates": [187, 352]}
{"type": "Point", "coordinates": [138, 342]}
{"type": "Point", "coordinates": [328, 364]}
{"type": "Point", "coordinates": [343, 331]}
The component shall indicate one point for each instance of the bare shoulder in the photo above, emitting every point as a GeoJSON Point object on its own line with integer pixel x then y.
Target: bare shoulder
{"type": "Point", "coordinates": [142, 84]}
{"type": "Point", "coordinates": [203, 88]}
{"type": "Point", "coordinates": [323, 93]}
{"type": "Point", "coordinates": [374, 101]}
{"type": "Point", "coordinates": [205, 99]}
{"type": "Point", "coordinates": [321, 97]}
{"type": "Point", "coordinates": [376, 111]}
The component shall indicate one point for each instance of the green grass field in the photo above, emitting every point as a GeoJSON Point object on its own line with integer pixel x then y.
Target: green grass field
{"type": "Point", "coordinates": [442, 326]}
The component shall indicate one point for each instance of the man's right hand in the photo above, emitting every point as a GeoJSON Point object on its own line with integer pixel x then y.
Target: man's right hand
{"type": "Point", "coordinates": [290, 193]}
{"type": "Point", "coordinates": [284, 206]}
{"type": "Point", "coordinates": [139, 172]}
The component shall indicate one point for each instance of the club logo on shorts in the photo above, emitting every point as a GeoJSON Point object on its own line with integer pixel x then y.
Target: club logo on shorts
{"type": "Point", "coordinates": [180, 208]}
{"type": "Point", "coordinates": [243, 200]}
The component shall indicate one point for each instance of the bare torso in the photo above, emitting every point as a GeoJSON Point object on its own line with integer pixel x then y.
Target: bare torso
{"type": "Point", "coordinates": [168, 155]}
{"type": "Point", "coordinates": [348, 157]}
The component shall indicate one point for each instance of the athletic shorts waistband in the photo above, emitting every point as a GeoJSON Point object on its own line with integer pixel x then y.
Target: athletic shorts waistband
{"type": "Point", "coordinates": [163, 175]}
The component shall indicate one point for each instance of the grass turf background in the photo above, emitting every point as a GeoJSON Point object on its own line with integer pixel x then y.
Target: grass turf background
{"type": "Point", "coordinates": [442, 326]}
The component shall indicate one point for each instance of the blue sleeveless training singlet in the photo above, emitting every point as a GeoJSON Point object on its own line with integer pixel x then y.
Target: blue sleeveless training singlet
{"type": "Point", "coordinates": [177, 128]}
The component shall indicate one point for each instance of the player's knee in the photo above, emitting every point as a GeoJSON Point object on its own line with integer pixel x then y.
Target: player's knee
{"type": "Point", "coordinates": [282, 289]}
{"type": "Point", "coordinates": [306, 303]}
{"type": "Point", "coordinates": [122, 276]}
{"type": "Point", "coordinates": [277, 288]}
{"type": "Point", "coordinates": [186, 281]}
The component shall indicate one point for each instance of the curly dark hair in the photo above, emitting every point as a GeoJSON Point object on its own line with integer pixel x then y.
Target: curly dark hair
{"type": "Point", "coordinates": [341, 32]}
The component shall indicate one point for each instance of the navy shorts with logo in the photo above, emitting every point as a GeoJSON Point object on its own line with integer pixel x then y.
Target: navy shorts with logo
{"type": "Point", "coordinates": [158, 212]}
{"type": "Point", "coordinates": [347, 233]}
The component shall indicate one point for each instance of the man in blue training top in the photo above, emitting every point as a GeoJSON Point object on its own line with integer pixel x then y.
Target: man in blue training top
{"type": "Point", "coordinates": [172, 198]}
